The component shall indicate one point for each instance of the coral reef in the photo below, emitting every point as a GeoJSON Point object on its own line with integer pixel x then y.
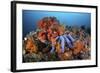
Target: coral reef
{"type": "Point", "coordinates": [53, 41]}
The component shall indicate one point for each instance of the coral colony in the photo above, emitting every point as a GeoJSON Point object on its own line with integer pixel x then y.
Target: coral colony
{"type": "Point", "coordinates": [53, 41]}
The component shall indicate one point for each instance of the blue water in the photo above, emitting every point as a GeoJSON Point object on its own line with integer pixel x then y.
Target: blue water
{"type": "Point", "coordinates": [31, 17]}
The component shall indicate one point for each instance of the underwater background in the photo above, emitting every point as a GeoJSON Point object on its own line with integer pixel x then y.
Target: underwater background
{"type": "Point", "coordinates": [30, 19]}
